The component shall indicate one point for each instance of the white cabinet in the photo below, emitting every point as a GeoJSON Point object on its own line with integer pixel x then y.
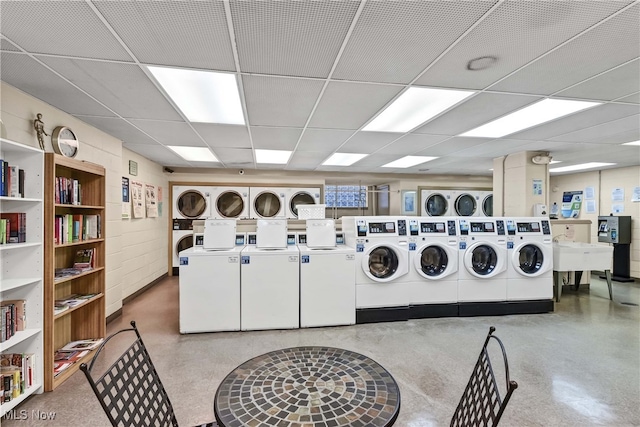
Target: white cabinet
{"type": "Point", "coordinates": [21, 277]}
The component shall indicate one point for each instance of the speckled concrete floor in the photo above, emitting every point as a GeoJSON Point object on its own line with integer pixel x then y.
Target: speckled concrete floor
{"type": "Point", "coordinates": [578, 366]}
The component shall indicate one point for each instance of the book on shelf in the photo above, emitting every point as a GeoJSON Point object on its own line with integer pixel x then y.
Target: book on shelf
{"type": "Point", "coordinates": [69, 356]}
{"type": "Point", "coordinates": [62, 273]}
{"type": "Point", "coordinates": [11, 180]}
{"type": "Point", "coordinates": [16, 229]}
{"type": "Point", "coordinates": [59, 367]}
{"type": "Point", "coordinates": [17, 370]}
{"type": "Point", "coordinates": [86, 344]}
{"type": "Point", "coordinates": [68, 191]}
{"type": "Point", "coordinates": [13, 318]}
{"type": "Point", "coordinates": [71, 301]}
{"type": "Point", "coordinates": [59, 308]}
{"type": "Point", "coordinates": [74, 228]}
{"type": "Point", "coordinates": [83, 258]}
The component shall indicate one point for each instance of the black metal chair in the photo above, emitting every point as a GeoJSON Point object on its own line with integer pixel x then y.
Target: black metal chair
{"type": "Point", "coordinates": [130, 390]}
{"type": "Point", "coordinates": [481, 404]}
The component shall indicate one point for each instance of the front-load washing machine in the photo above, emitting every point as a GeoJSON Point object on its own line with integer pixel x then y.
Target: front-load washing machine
{"type": "Point", "coordinates": [433, 267]}
{"type": "Point", "coordinates": [230, 202]}
{"type": "Point", "coordinates": [465, 203]}
{"type": "Point", "coordinates": [530, 266]}
{"type": "Point", "coordinates": [209, 290]}
{"type": "Point", "coordinates": [300, 196]}
{"type": "Point", "coordinates": [181, 239]}
{"type": "Point", "coordinates": [486, 203]}
{"type": "Point", "coordinates": [267, 202]}
{"type": "Point", "coordinates": [382, 259]}
{"type": "Point", "coordinates": [269, 288]}
{"type": "Point", "coordinates": [191, 202]}
{"type": "Point", "coordinates": [435, 202]}
{"type": "Point", "coordinates": [482, 264]}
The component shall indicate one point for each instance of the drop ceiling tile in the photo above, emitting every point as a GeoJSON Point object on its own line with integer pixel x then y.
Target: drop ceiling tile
{"type": "Point", "coordinates": [169, 133]}
{"type": "Point", "coordinates": [611, 85]}
{"type": "Point", "coordinates": [7, 45]}
{"type": "Point", "coordinates": [119, 128]}
{"type": "Point", "coordinates": [322, 140]}
{"type": "Point", "coordinates": [273, 101]}
{"type": "Point", "coordinates": [368, 142]}
{"type": "Point", "coordinates": [493, 148]}
{"type": "Point", "coordinates": [411, 144]}
{"type": "Point", "coordinates": [306, 160]}
{"type": "Point", "coordinates": [474, 112]}
{"type": "Point", "coordinates": [350, 105]}
{"type": "Point", "coordinates": [26, 74]}
{"type": "Point", "coordinates": [405, 36]}
{"type": "Point", "coordinates": [157, 153]}
{"type": "Point", "coordinates": [60, 28]}
{"type": "Point", "coordinates": [450, 146]}
{"type": "Point", "coordinates": [235, 157]}
{"type": "Point", "coordinates": [635, 98]}
{"type": "Point", "coordinates": [515, 33]}
{"type": "Point", "coordinates": [601, 132]}
{"type": "Point", "coordinates": [124, 88]}
{"type": "Point", "coordinates": [290, 38]}
{"type": "Point", "coordinates": [224, 136]}
{"type": "Point", "coordinates": [275, 138]}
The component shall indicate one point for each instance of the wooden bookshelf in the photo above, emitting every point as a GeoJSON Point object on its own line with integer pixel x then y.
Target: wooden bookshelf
{"type": "Point", "coordinates": [87, 320]}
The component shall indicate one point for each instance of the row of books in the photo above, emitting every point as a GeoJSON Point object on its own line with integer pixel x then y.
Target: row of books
{"type": "Point", "coordinates": [74, 228]}
{"type": "Point", "coordinates": [17, 371]}
{"type": "Point", "coordinates": [72, 353]}
{"type": "Point", "coordinates": [68, 191]}
{"type": "Point", "coordinates": [13, 227]}
{"type": "Point", "coordinates": [11, 180]}
{"type": "Point", "coordinates": [13, 318]}
{"type": "Point", "coordinates": [63, 304]}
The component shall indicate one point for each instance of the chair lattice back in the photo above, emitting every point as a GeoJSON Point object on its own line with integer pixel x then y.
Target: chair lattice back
{"type": "Point", "coordinates": [481, 404]}
{"type": "Point", "coordinates": [130, 391]}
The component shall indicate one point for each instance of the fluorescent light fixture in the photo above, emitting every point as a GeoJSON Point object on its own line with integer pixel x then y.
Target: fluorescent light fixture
{"type": "Point", "coordinates": [415, 106]}
{"type": "Point", "coordinates": [553, 162]}
{"type": "Point", "coordinates": [343, 159]}
{"type": "Point", "coordinates": [203, 96]}
{"type": "Point", "coordinates": [194, 154]}
{"type": "Point", "coordinates": [533, 115]}
{"type": "Point", "coordinates": [279, 157]}
{"type": "Point", "coordinates": [581, 166]}
{"type": "Point", "coordinates": [408, 161]}
{"type": "Point", "coordinates": [632, 143]}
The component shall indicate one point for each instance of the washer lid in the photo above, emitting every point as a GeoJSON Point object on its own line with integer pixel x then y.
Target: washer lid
{"type": "Point", "coordinates": [436, 205]}
{"type": "Point", "coordinates": [466, 205]}
{"type": "Point", "coordinates": [192, 204]}
{"type": "Point", "coordinates": [230, 204]}
{"type": "Point", "coordinates": [301, 198]}
{"type": "Point", "coordinates": [267, 204]}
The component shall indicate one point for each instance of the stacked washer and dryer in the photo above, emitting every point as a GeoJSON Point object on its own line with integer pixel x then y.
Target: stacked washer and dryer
{"type": "Point", "coordinates": [275, 202]}
{"type": "Point", "coordinates": [452, 202]}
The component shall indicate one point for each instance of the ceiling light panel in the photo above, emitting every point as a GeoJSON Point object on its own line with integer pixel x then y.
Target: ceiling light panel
{"type": "Point", "coordinates": [582, 166]}
{"type": "Point", "coordinates": [274, 101]}
{"type": "Point", "coordinates": [404, 46]}
{"type": "Point", "coordinates": [194, 154]}
{"type": "Point", "coordinates": [124, 88]}
{"type": "Point", "coordinates": [573, 62]}
{"type": "Point", "coordinates": [533, 115]}
{"type": "Point", "coordinates": [279, 157]}
{"type": "Point", "coordinates": [517, 33]}
{"type": "Point", "coordinates": [322, 140]}
{"type": "Point", "coordinates": [22, 72]}
{"type": "Point", "coordinates": [275, 138]}
{"type": "Point", "coordinates": [90, 38]}
{"type": "Point", "coordinates": [343, 159]}
{"type": "Point", "coordinates": [228, 136]}
{"type": "Point", "coordinates": [408, 161]}
{"type": "Point", "coordinates": [632, 143]}
{"type": "Point", "coordinates": [290, 38]}
{"type": "Point", "coordinates": [415, 106]}
{"type": "Point", "coordinates": [611, 85]}
{"type": "Point", "coordinates": [349, 105]}
{"type": "Point", "coordinates": [189, 34]}
{"type": "Point", "coordinates": [203, 96]}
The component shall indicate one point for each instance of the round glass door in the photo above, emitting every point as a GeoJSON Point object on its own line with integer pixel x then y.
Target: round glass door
{"type": "Point", "coordinates": [433, 261]}
{"type": "Point", "coordinates": [530, 259]}
{"type": "Point", "coordinates": [436, 205]}
{"type": "Point", "coordinates": [185, 242]}
{"type": "Point", "coordinates": [487, 205]}
{"type": "Point", "coordinates": [267, 204]}
{"type": "Point", "coordinates": [465, 205]}
{"type": "Point", "coordinates": [192, 204]}
{"type": "Point", "coordinates": [383, 262]}
{"type": "Point", "coordinates": [300, 199]}
{"type": "Point", "coordinates": [484, 260]}
{"type": "Point", "coordinates": [230, 204]}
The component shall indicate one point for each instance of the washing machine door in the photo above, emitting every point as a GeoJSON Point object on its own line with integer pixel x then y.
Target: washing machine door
{"type": "Point", "coordinates": [466, 205]}
{"type": "Point", "coordinates": [529, 259]}
{"type": "Point", "coordinates": [230, 204]}
{"type": "Point", "coordinates": [301, 198]}
{"type": "Point", "coordinates": [435, 262]}
{"type": "Point", "coordinates": [487, 205]}
{"type": "Point", "coordinates": [436, 205]}
{"type": "Point", "coordinates": [267, 204]}
{"type": "Point", "coordinates": [484, 260]}
{"type": "Point", "coordinates": [383, 263]}
{"type": "Point", "coordinates": [192, 204]}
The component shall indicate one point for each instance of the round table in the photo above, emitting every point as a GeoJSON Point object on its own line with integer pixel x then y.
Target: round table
{"type": "Point", "coordinates": [308, 386]}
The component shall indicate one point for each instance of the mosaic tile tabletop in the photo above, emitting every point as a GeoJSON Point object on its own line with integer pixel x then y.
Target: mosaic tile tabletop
{"type": "Point", "coordinates": [308, 387]}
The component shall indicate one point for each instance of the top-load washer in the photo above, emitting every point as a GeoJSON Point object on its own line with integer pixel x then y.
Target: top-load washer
{"type": "Point", "coordinates": [465, 203]}
{"type": "Point", "coordinates": [435, 202]}
{"type": "Point", "coordinates": [229, 202]}
{"type": "Point", "coordinates": [482, 264]}
{"type": "Point", "coordinates": [433, 266]}
{"type": "Point", "coordinates": [300, 196]}
{"type": "Point", "coordinates": [486, 203]}
{"type": "Point", "coordinates": [267, 202]}
{"type": "Point", "coordinates": [530, 266]}
{"type": "Point", "coordinates": [191, 202]}
{"type": "Point", "coordinates": [382, 259]}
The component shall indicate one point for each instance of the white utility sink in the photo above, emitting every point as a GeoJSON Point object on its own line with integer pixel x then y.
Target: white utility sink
{"type": "Point", "coordinates": [580, 256]}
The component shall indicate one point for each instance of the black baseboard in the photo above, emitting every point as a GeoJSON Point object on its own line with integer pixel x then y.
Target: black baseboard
{"type": "Point", "coordinates": [175, 271]}
{"type": "Point", "coordinates": [382, 314]}
{"type": "Point", "coordinates": [490, 308]}
{"type": "Point", "coordinates": [530, 307]}
{"type": "Point", "coordinates": [425, 311]}
{"type": "Point", "coordinates": [113, 316]}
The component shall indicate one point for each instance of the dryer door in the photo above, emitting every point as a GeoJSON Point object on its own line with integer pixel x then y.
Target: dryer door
{"type": "Point", "coordinates": [383, 263]}
{"type": "Point", "coordinates": [484, 260]}
{"type": "Point", "coordinates": [267, 204]}
{"type": "Point", "coordinates": [300, 198]}
{"type": "Point", "coordinates": [466, 205]}
{"type": "Point", "coordinates": [435, 262]}
{"type": "Point", "coordinates": [230, 204]}
{"type": "Point", "coordinates": [436, 205]}
{"type": "Point", "coordinates": [192, 204]}
{"type": "Point", "coordinates": [529, 260]}
{"type": "Point", "coordinates": [487, 205]}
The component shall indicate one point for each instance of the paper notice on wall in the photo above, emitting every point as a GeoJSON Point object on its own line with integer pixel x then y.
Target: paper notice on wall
{"type": "Point", "coordinates": [126, 201]}
{"type": "Point", "coordinates": [635, 197]}
{"type": "Point", "coordinates": [159, 201]}
{"type": "Point", "coordinates": [617, 195]}
{"type": "Point", "coordinates": [590, 206]}
{"type": "Point", "coordinates": [571, 204]}
{"type": "Point", "coordinates": [537, 187]}
{"type": "Point", "coordinates": [151, 201]}
{"type": "Point", "coordinates": [137, 199]}
{"type": "Point", "coordinates": [570, 232]}
{"type": "Point", "coordinates": [589, 193]}
{"type": "Point", "coordinates": [617, 208]}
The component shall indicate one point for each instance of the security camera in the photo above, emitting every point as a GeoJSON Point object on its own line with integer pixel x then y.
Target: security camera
{"type": "Point", "coordinates": [241, 172]}
{"type": "Point", "coordinates": [168, 170]}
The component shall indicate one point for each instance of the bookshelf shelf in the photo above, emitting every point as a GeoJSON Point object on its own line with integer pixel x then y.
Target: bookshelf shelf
{"type": "Point", "coordinates": [22, 264]}
{"type": "Point", "coordinates": [64, 375]}
{"type": "Point", "coordinates": [83, 182]}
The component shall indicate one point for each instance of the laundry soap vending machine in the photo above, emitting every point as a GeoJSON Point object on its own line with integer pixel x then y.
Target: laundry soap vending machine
{"type": "Point", "coordinates": [617, 231]}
